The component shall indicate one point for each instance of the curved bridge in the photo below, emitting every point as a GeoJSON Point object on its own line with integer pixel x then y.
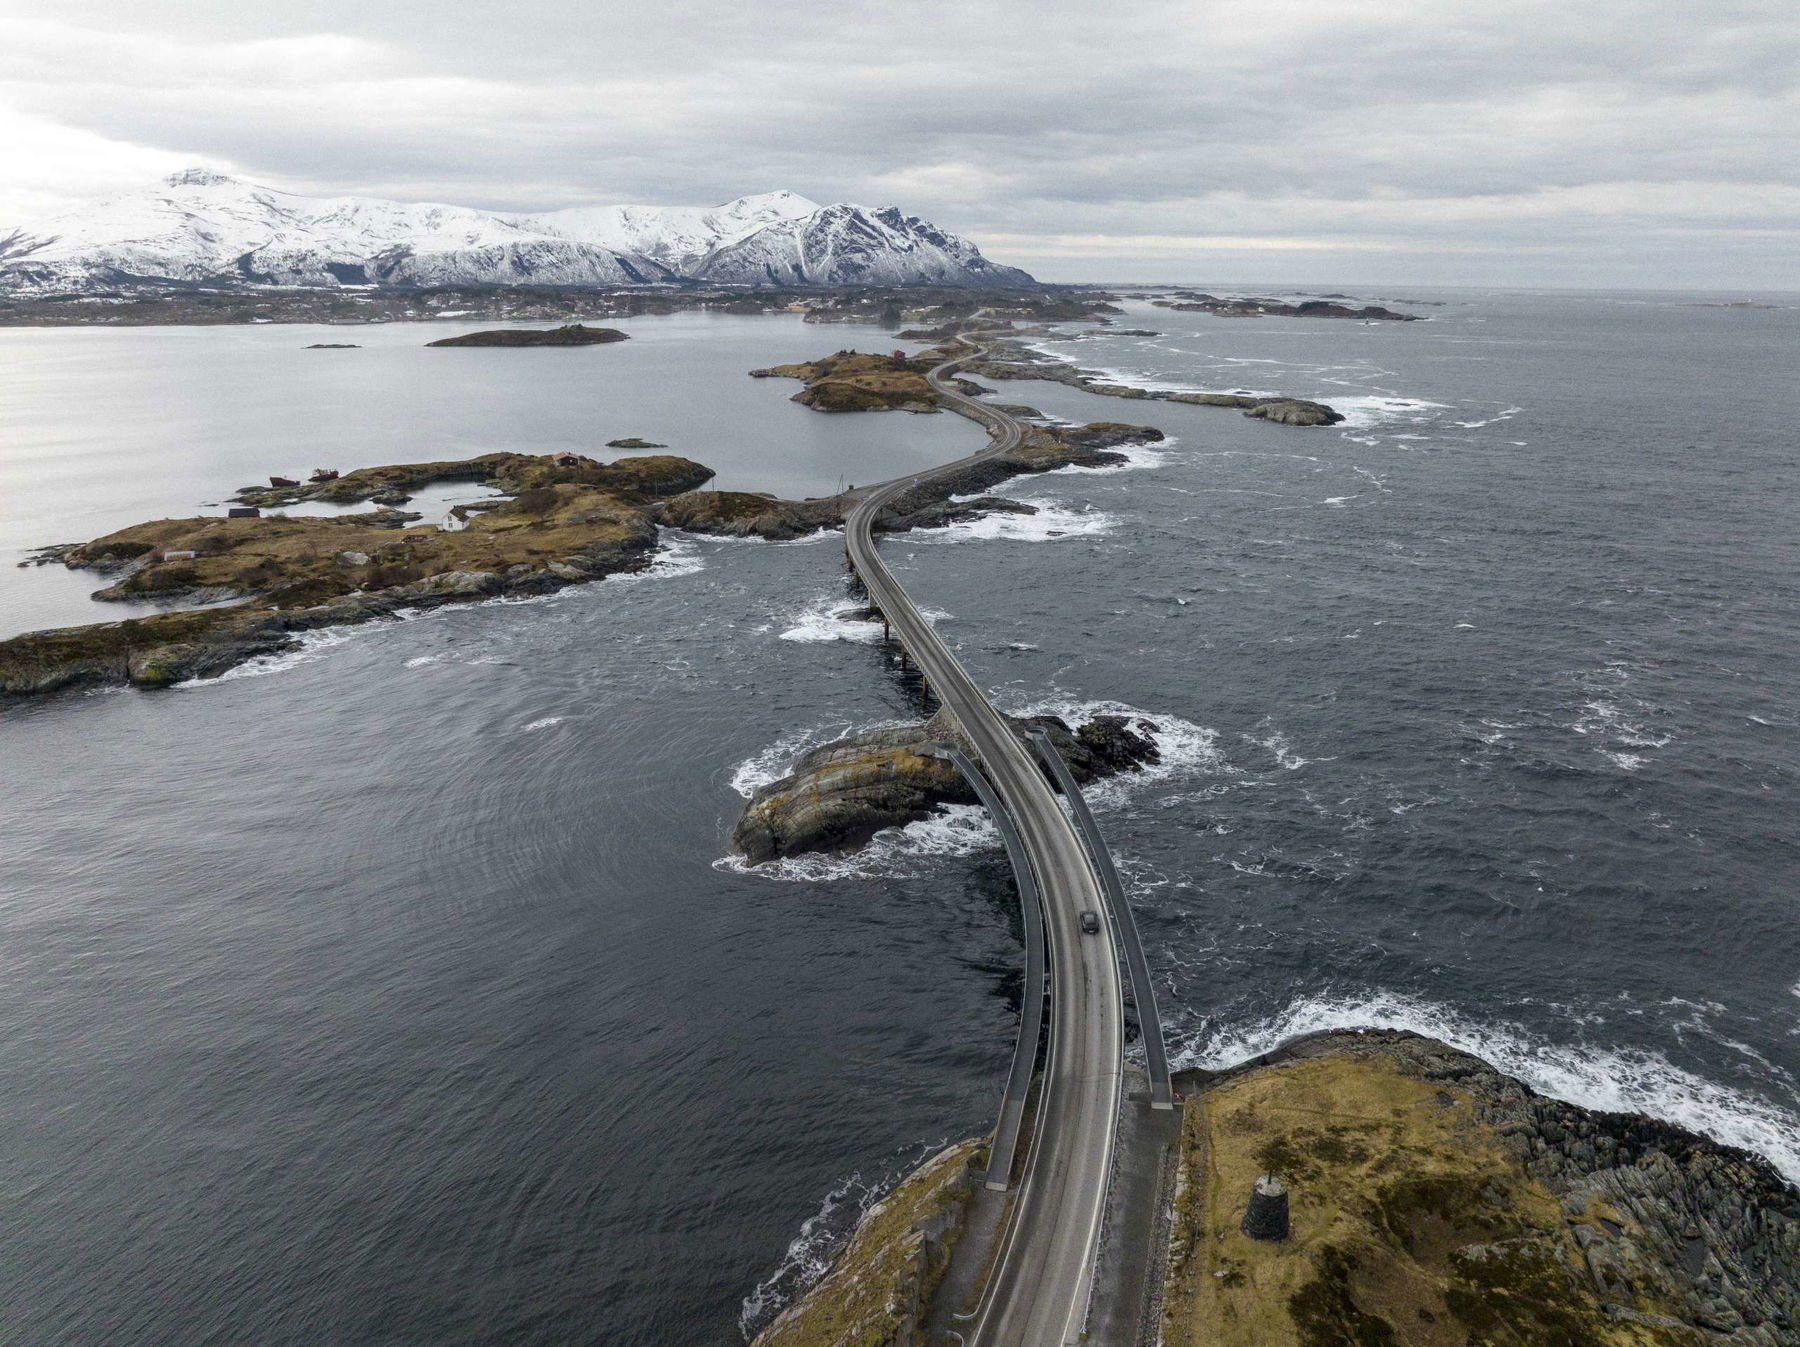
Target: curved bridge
{"type": "Point", "coordinates": [1037, 1294]}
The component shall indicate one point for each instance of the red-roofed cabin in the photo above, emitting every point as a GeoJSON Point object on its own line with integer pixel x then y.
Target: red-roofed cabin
{"type": "Point", "coordinates": [562, 458]}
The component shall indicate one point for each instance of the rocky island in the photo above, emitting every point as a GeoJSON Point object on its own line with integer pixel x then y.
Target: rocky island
{"type": "Point", "coordinates": [837, 796]}
{"type": "Point", "coordinates": [1012, 359]}
{"type": "Point", "coordinates": [1431, 1201]}
{"type": "Point", "coordinates": [851, 381]}
{"type": "Point", "coordinates": [568, 520]}
{"type": "Point", "coordinates": [570, 334]}
{"type": "Point", "coordinates": [1189, 302]}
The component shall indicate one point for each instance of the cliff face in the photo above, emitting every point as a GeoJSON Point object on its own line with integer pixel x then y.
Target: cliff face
{"type": "Point", "coordinates": [1437, 1202]}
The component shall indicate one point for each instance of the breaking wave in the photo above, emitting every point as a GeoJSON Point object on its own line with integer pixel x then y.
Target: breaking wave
{"type": "Point", "coordinates": [1052, 520]}
{"type": "Point", "coordinates": [1620, 1080]}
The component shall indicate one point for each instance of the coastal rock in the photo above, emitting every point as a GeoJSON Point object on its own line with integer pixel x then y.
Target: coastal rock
{"type": "Point", "coordinates": [879, 1290]}
{"type": "Point", "coordinates": [1012, 360]}
{"type": "Point", "coordinates": [570, 334]}
{"type": "Point", "coordinates": [1430, 1188]}
{"type": "Point", "coordinates": [840, 794]}
{"type": "Point", "coordinates": [852, 381]}
{"type": "Point", "coordinates": [566, 525]}
{"type": "Point", "coordinates": [749, 514]}
{"type": "Point", "coordinates": [1295, 412]}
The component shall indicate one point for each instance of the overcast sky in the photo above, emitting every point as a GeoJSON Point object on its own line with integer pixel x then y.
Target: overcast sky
{"type": "Point", "coordinates": [1637, 143]}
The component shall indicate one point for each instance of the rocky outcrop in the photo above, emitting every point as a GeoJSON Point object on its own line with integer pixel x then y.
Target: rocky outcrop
{"type": "Point", "coordinates": [879, 1290]}
{"type": "Point", "coordinates": [1011, 360]}
{"type": "Point", "coordinates": [570, 334]}
{"type": "Point", "coordinates": [751, 514]}
{"type": "Point", "coordinates": [644, 475]}
{"type": "Point", "coordinates": [1294, 412]}
{"type": "Point", "coordinates": [853, 381]}
{"type": "Point", "coordinates": [1434, 1199]}
{"type": "Point", "coordinates": [839, 795]}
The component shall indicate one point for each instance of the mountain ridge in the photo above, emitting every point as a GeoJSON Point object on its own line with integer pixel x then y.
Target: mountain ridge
{"type": "Point", "coordinates": [201, 227]}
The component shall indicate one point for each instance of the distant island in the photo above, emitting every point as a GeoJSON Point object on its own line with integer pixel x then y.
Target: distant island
{"type": "Point", "coordinates": [570, 334]}
{"type": "Point", "coordinates": [1187, 302]}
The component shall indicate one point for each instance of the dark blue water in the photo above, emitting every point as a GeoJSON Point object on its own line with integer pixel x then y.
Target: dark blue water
{"type": "Point", "coordinates": [395, 992]}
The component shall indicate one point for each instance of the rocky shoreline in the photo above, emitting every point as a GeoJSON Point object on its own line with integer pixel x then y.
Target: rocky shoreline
{"type": "Point", "coordinates": [567, 522]}
{"type": "Point", "coordinates": [1012, 359]}
{"type": "Point", "coordinates": [1433, 1201]}
{"type": "Point", "coordinates": [837, 796]}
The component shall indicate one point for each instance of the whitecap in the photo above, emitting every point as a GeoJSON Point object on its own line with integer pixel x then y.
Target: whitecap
{"type": "Point", "coordinates": [545, 723]}
{"type": "Point", "coordinates": [1138, 457]}
{"type": "Point", "coordinates": [1618, 1080]}
{"type": "Point", "coordinates": [830, 619]}
{"type": "Point", "coordinates": [1051, 521]}
{"type": "Point", "coordinates": [1377, 409]}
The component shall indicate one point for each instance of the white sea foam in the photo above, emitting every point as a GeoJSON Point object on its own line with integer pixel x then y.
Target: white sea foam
{"type": "Point", "coordinates": [951, 830]}
{"type": "Point", "coordinates": [1627, 1080]}
{"type": "Point", "coordinates": [1052, 520]}
{"type": "Point", "coordinates": [828, 619]}
{"type": "Point", "coordinates": [1506, 415]}
{"type": "Point", "coordinates": [1137, 458]}
{"type": "Point", "coordinates": [1277, 743]}
{"type": "Point", "coordinates": [822, 1235]}
{"type": "Point", "coordinates": [809, 1255]}
{"type": "Point", "coordinates": [311, 646]}
{"type": "Point", "coordinates": [824, 620]}
{"type": "Point", "coordinates": [1379, 409]}
{"type": "Point", "coordinates": [1183, 748]}
{"type": "Point", "coordinates": [545, 723]}
{"type": "Point", "coordinates": [773, 762]}
{"type": "Point", "coordinates": [679, 555]}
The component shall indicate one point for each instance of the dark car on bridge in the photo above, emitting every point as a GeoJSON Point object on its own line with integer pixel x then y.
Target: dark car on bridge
{"type": "Point", "coordinates": [1090, 923]}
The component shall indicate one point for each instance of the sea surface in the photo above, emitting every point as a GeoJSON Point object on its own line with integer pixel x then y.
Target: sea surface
{"type": "Point", "coordinates": [401, 990]}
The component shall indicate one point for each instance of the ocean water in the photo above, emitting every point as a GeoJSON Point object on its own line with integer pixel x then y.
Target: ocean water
{"type": "Point", "coordinates": [401, 989]}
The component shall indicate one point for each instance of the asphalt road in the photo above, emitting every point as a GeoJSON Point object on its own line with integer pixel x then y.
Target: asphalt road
{"type": "Point", "coordinates": [1037, 1295]}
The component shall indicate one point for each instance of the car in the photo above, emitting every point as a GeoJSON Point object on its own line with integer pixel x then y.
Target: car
{"type": "Point", "coordinates": [1090, 923]}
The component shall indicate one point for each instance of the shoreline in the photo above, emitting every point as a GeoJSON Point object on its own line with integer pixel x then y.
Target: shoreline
{"type": "Point", "coordinates": [302, 574]}
{"type": "Point", "coordinates": [1610, 1227]}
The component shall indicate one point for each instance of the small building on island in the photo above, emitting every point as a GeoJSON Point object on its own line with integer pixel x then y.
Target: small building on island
{"type": "Point", "coordinates": [563, 458]}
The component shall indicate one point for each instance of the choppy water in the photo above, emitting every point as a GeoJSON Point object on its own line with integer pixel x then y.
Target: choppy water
{"type": "Point", "coordinates": [399, 990]}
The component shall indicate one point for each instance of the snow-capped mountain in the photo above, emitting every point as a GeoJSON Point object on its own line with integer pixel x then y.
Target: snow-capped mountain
{"type": "Point", "coordinates": [203, 227]}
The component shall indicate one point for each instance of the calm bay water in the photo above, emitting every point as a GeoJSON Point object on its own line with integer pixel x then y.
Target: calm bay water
{"type": "Point", "coordinates": [398, 991]}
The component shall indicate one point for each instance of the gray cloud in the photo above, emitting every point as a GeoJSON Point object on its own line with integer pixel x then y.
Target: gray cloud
{"type": "Point", "coordinates": [1516, 140]}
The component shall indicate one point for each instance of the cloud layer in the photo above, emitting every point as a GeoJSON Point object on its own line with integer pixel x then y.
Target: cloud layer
{"type": "Point", "coordinates": [1616, 142]}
